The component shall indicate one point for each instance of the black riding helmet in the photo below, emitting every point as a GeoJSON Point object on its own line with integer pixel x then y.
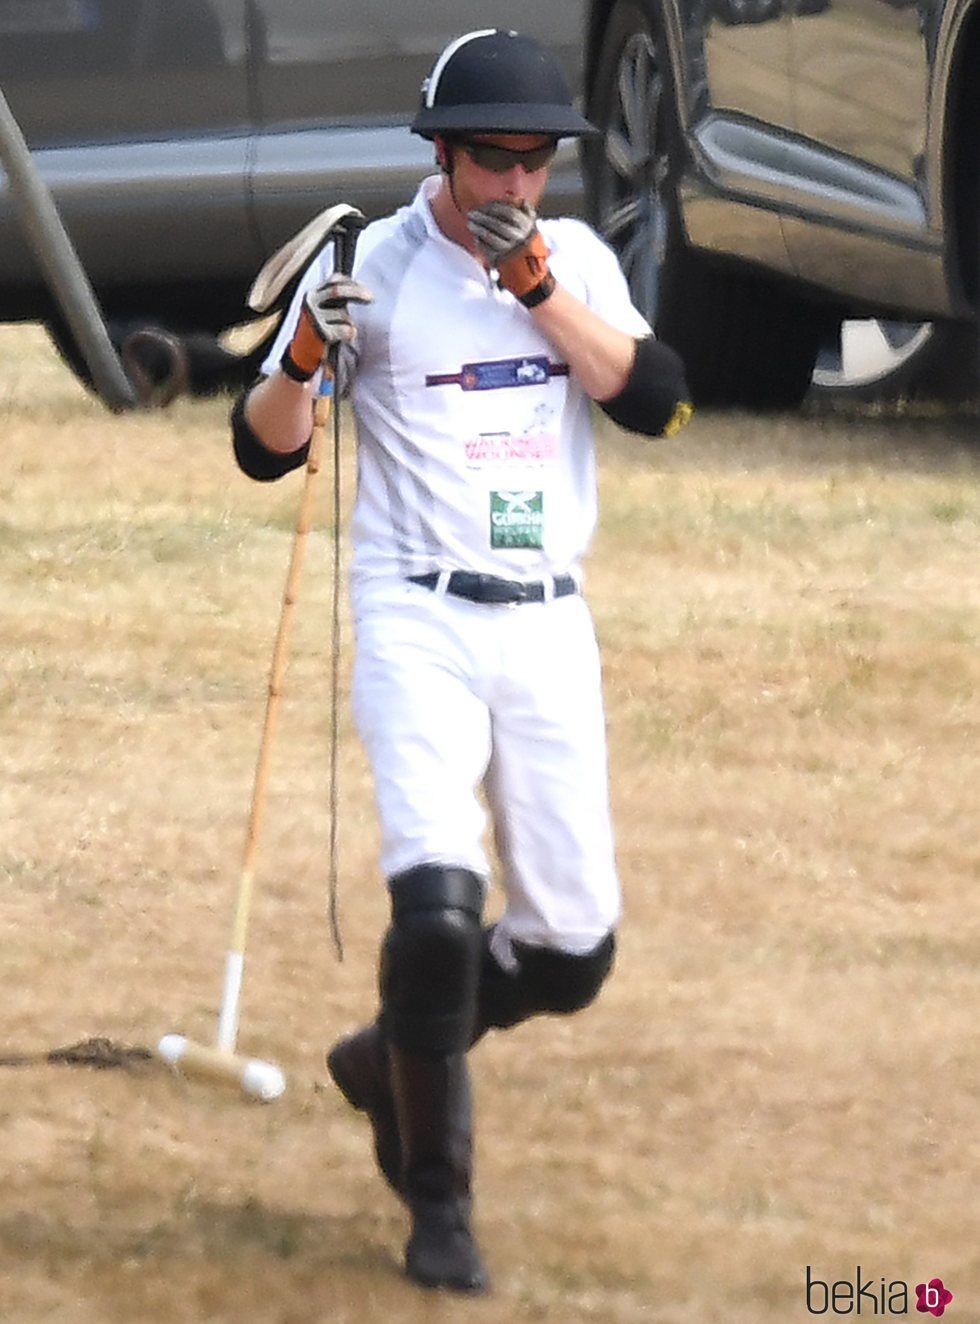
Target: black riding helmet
{"type": "Point", "coordinates": [496, 81]}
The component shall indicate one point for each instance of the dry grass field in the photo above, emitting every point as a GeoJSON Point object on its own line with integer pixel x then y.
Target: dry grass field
{"type": "Point", "coordinates": [783, 1071]}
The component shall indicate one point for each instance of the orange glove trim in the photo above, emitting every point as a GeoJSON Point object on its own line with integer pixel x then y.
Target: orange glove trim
{"type": "Point", "coordinates": [525, 270]}
{"type": "Point", "coordinates": [307, 346]}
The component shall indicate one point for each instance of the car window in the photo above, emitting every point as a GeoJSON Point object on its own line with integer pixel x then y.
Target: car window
{"type": "Point", "coordinates": [100, 70]}
{"type": "Point", "coordinates": [364, 62]}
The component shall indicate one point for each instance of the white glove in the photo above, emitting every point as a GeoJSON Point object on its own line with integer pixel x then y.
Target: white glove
{"type": "Point", "coordinates": [324, 321]}
{"type": "Point", "coordinates": [507, 236]}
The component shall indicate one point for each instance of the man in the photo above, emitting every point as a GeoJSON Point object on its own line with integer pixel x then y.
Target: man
{"type": "Point", "coordinates": [473, 341]}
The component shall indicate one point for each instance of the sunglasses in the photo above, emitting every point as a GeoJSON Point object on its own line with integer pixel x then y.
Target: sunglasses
{"type": "Point", "coordinates": [498, 160]}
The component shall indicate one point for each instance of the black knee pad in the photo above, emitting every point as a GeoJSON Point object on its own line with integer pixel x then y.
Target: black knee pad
{"type": "Point", "coordinates": [430, 960]}
{"type": "Point", "coordinates": [545, 981]}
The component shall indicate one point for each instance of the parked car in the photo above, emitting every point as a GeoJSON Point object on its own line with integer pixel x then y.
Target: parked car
{"type": "Point", "coordinates": [769, 169]}
{"type": "Point", "coordinates": [185, 140]}
{"type": "Point", "coordinates": [764, 182]}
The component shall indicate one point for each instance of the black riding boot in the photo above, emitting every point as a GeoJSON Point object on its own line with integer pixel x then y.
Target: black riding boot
{"type": "Point", "coordinates": [434, 1110]}
{"type": "Point", "coordinates": [361, 1071]}
{"type": "Point", "coordinates": [542, 982]}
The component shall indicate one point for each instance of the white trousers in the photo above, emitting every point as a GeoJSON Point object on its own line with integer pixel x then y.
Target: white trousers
{"type": "Point", "coordinates": [450, 696]}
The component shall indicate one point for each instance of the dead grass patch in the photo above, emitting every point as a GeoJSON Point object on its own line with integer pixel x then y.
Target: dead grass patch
{"type": "Point", "coordinates": [782, 1071]}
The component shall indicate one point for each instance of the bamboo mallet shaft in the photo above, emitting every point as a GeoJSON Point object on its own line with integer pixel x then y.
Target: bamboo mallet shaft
{"type": "Point", "coordinates": [262, 1080]}
{"type": "Point", "coordinates": [235, 959]}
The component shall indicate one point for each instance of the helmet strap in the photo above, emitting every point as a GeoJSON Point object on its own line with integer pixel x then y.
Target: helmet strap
{"type": "Point", "coordinates": [444, 158]}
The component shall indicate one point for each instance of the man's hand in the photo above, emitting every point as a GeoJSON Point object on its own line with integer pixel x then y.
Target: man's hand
{"type": "Point", "coordinates": [323, 322]}
{"type": "Point", "coordinates": [507, 235]}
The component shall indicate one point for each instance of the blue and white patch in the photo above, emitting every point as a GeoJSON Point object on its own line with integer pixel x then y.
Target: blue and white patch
{"type": "Point", "coordinates": [500, 374]}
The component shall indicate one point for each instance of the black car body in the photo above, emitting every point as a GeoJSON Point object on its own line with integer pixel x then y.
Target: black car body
{"type": "Point", "coordinates": [770, 170]}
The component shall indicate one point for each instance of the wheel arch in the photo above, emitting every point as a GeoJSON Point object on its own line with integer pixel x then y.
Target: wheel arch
{"type": "Point", "coordinates": [668, 22]}
{"type": "Point", "coordinates": [745, 339]}
{"type": "Point", "coordinates": [959, 155]}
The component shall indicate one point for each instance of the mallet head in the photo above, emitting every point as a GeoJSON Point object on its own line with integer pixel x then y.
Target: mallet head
{"type": "Point", "coordinates": [259, 1080]}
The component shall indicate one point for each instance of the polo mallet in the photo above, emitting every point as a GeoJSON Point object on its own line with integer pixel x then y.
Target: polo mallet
{"type": "Point", "coordinates": [265, 1080]}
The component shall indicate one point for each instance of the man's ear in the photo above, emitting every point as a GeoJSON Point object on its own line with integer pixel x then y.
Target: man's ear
{"type": "Point", "coordinates": [444, 158]}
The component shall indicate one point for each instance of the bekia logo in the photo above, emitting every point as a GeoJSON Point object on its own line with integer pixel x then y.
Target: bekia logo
{"type": "Point", "coordinates": [933, 1297]}
{"type": "Point", "coordinates": [872, 1296]}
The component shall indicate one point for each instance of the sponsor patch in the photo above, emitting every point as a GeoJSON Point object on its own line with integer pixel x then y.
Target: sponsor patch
{"type": "Point", "coordinates": [500, 374]}
{"type": "Point", "coordinates": [504, 448]}
{"type": "Point", "coordinates": [516, 519]}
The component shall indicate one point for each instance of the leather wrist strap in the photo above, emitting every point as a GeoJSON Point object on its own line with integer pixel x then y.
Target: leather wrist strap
{"type": "Point", "coordinates": [291, 368]}
{"type": "Point", "coordinates": [540, 292]}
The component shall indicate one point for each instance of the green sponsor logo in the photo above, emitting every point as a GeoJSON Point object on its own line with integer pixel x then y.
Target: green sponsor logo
{"type": "Point", "coordinates": [516, 519]}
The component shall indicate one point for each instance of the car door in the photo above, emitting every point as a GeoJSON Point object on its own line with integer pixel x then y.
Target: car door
{"type": "Point", "coordinates": [746, 56]}
{"type": "Point", "coordinates": [734, 101]}
{"type": "Point", "coordinates": [338, 83]}
{"type": "Point", "coordinates": [861, 86]}
{"type": "Point", "coordinates": [860, 81]}
{"type": "Point", "coordinates": [137, 114]}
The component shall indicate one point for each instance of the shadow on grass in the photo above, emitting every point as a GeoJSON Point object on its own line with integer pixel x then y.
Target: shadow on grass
{"type": "Point", "coordinates": [230, 1235]}
{"type": "Point", "coordinates": [901, 437]}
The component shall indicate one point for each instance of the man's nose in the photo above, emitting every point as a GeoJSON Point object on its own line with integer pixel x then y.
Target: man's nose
{"type": "Point", "coordinates": [513, 179]}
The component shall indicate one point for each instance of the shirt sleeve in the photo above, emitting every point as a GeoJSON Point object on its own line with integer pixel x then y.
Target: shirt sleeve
{"type": "Point", "coordinates": [589, 267]}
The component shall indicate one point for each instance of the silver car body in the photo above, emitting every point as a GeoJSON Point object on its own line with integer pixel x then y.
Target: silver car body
{"type": "Point", "coordinates": [184, 140]}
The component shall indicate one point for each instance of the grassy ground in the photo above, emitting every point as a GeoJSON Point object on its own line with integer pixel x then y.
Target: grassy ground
{"type": "Point", "coordinates": [782, 1071]}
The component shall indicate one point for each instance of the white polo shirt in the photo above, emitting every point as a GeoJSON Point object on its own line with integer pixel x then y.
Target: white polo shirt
{"type": "Point", "coordinates": [475, 445]}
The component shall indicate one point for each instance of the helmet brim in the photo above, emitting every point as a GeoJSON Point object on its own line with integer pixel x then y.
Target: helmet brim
{"type": "Point", "coordinates": [555, 121]}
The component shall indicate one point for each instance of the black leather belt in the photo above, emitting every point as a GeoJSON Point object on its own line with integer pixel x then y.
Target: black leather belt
{"type": "Point", "coordinates": [490, 589]}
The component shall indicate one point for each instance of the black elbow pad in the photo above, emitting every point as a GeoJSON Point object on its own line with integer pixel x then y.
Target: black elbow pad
{"type": "Point", "coordinates": [255, 459]}
{"type": "Point", "coordinates": [655, 399]}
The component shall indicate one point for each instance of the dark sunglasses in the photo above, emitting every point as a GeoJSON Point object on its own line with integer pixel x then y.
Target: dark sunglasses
{"type": "Point", "coordinates": [499, 160]}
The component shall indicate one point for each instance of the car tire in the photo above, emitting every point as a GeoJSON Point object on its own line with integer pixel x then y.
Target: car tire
{"type": "Point", "coordinates": [746, 341]}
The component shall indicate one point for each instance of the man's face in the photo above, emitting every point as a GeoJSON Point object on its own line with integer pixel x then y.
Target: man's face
{"type": "Point", "coordinates": [482, 174]}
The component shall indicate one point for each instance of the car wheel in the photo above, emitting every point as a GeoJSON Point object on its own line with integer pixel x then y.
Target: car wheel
{"type": "Point", "coordinates": [162, 363]}
{"type": "Point", "coordinates": [745, 340]}
{"type": "Point", "coordinates": [877, 361]}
